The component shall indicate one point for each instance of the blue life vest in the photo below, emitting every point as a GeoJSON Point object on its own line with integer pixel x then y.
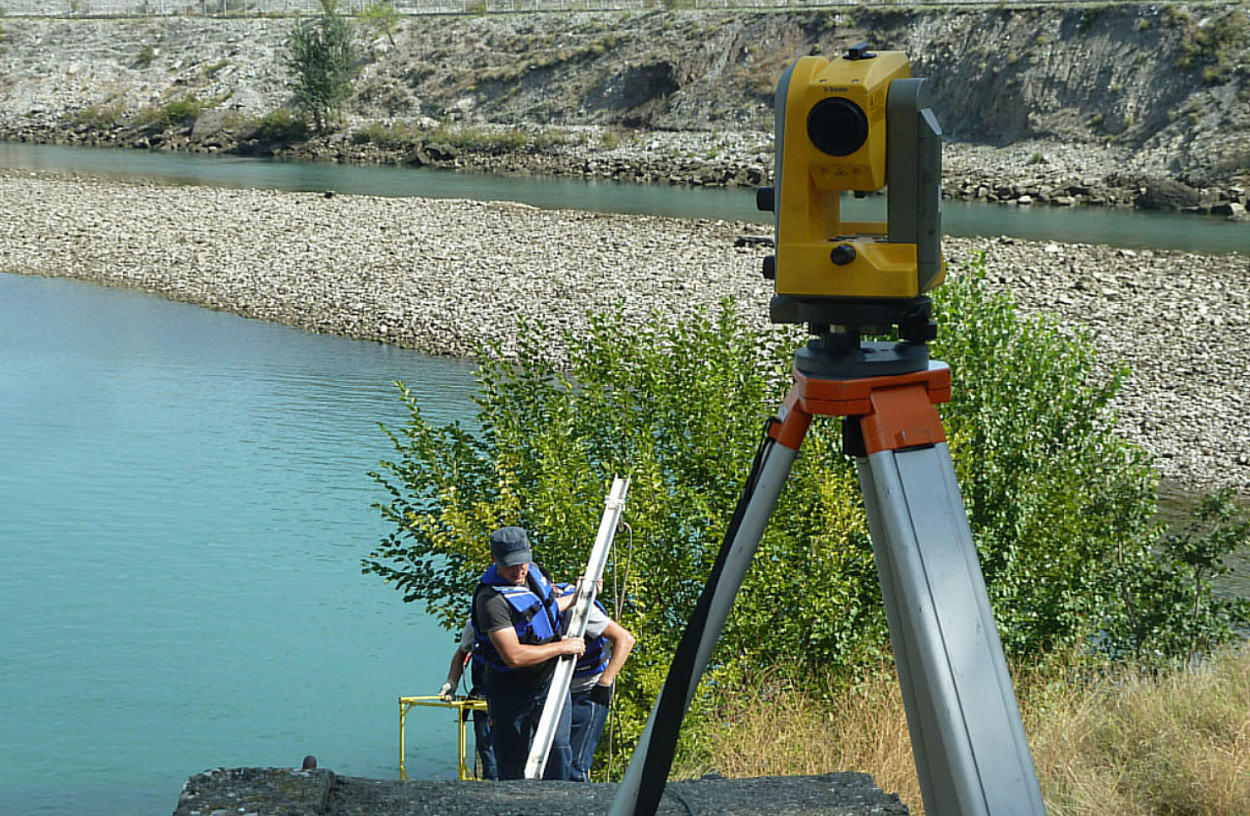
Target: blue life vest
{"type": "Point", "coordinates": [534, 614]}
{"type": "Point", "coordinates": [595, 659]}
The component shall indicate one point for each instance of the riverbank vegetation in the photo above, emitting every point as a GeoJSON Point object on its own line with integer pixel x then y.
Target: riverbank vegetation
{"type": "Point", "coordinates": [1062, 510]}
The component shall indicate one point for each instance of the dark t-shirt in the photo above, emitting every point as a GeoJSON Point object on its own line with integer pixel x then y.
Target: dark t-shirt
{"type": "Point", "coordinates": [491, 613]}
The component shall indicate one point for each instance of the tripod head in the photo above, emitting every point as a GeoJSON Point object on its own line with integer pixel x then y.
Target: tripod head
{"type": "Point", "coordinates": [855, 124]}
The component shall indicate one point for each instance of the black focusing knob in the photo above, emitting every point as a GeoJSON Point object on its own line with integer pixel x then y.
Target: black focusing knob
{"type": "Point", "coordinates": [765, 199]}
{"type": "Point", "coordinates": [770, 267]}
{"type": "Point", "coordinates": [842, 254]}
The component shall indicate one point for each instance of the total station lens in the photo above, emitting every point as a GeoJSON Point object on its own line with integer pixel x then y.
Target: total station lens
{"type": "Point", "coordinates": [837, 126]}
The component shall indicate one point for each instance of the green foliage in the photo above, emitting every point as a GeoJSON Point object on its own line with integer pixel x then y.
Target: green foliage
{"type": "Point", "coordinates": [1060, 507]}
{"type": "Point", "coordinates": [680, 409]}
{"type": "Point", "coordinates": [147, 54]}
{"type": "Point", "coordinates": [381, 18]}
{"type": "Point", "coordinates": [282, 125]}
{"type": "Point", "coordinates": [99, 117]}
{"type": "Point", "coordinates": [490, 140]}
{"type": "Point", "coordinates": [390, 137]}
{"type": "Point", "coordinates": [1051, 493]}
{"type": "Point", "coordinates": [1218, 45]}
{"type": "Point", "coordinates": [322, 57]}
{"type": "Point", "coordinates": [172, 114]}
{"type": "Point", "coordinates": [1171, 611]}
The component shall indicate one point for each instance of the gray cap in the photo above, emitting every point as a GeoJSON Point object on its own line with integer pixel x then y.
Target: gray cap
{"type": "Point", "coordinates": [510, 546]}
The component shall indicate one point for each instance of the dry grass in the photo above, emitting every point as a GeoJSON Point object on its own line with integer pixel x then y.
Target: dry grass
{"type": "Point", "coordinates": [1122, 743]}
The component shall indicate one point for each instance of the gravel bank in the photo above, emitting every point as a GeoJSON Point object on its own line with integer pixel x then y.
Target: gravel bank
{"type": "Point", "coordinates": [439, 276]}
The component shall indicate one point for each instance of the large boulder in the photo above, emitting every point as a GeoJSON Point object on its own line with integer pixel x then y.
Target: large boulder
{"type": "Point", "coordinates": [1167, 194]}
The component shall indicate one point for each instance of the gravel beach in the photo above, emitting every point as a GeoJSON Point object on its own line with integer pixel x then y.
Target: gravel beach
{"type": "Point", "coordinates": [441, 275]}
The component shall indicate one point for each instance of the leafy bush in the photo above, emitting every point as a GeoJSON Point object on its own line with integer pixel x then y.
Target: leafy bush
{"type": "Point", "coordinates": [1060, 507]}
{"type": "Point", "coordinates": [1050, 492]}
{"type": "Point", "coordinates": [1171, 610]}
{"type": "Point", "coordinates": [171, 114]}
{"type": "Point", "coordinates": [321, 55]}
{"type": "Point", "coordinates": [393, 137]}
{"type": "Point", "coordinates": [99, 117]}
{"type": "Point", "coordinates": [282, 124]}
{"type": "Point", "coordinates": [147, 54]}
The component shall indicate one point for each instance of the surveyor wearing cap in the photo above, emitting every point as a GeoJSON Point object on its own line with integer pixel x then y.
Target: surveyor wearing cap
{"type": "Point", "coordinates": [516, 619]}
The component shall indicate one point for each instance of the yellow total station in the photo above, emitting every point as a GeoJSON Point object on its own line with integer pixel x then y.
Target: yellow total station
{"type": "Point", "coordinates": [853, 124]}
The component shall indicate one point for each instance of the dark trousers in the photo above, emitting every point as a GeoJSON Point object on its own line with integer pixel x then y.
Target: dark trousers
{"type": "Point", "coordinates": [589, 718]}
{"type": "Point", "coordinates": [485, 744]}
{"type": "Point", "coordinates": [514, 713]}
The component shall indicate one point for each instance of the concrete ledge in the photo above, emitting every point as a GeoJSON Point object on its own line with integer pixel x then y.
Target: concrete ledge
{"type": "Point", "coordinates": [285, 792]}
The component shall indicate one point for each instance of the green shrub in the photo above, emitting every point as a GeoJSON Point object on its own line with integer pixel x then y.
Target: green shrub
{"type": "Point", "coordinates": [1061, 508]}
{"type": "Point", "coordinates": [147, 54]}
{"type": "Point", "coordinates": [489, 140]}
{"type": "Point", "coordinates": [282, 124]}
{"type": "Point", "coordinates": [171, 114]}
{"type": "Point", "coordinates": [395, 137]}
{"type": "Point", "coordinates": [1050, 491]}
{"type": "Point", "coordinates": [320, 54]}
{"type": "Point", "coordinates": [99, 117]}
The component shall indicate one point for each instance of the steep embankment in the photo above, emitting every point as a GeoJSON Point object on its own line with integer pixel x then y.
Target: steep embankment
{"type": "Point", "coordinates": [1145, 90]}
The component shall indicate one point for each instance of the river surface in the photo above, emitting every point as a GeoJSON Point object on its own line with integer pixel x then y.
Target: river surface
{"type": "Point", "coordinates": [1097, 225]}
{"type": "Point", "coordinates": [183, 509]}
{"type": "Point", "coordinates": [184, 505]}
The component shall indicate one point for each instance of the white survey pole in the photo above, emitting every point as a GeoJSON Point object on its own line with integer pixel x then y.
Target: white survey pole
{"type": "Point", "coordinates": [559, 690]}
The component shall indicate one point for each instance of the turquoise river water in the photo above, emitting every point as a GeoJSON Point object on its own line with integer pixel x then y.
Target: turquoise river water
{"type": "Point", "coordinates": [183, 508]}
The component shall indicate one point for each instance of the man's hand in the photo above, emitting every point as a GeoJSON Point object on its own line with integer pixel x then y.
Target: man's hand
{"type": "Point", "coordinates": [583, 588]}
{"type": "Point", "coordinates": [573, 646]}
{"type": "Point", "coordinates": [446, 691]}
{"type": "Point", "coordinates": [601, 694]}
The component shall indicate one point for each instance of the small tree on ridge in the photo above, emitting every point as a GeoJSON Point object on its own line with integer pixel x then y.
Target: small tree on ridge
{"type": "Point", "coordinates": [321, 54]}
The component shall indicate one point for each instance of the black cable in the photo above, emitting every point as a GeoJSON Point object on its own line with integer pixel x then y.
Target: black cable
{"type": "Point", "coordinates": [618, 603]}
{"type": "Point", "coordinates": [689, 807]}
{"type": "Point", "coordinates": [671, 708]}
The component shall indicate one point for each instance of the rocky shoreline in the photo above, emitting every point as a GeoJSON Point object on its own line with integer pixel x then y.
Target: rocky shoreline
{"type": "Point", "coordinates": [441, 276]}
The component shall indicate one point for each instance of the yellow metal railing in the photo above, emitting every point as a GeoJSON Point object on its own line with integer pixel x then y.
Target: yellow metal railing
{"type": "Point", "coordinates": [462, 708]}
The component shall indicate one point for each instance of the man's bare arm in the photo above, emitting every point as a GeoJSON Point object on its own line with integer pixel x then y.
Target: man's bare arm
{"type": "Point", "coordinates": [622, 644]}
{"type": "Point", "coordinates": [520, 655]}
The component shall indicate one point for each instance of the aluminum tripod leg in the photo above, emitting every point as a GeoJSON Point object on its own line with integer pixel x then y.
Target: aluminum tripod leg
{"type": "Point", "coordinates": [774, 470]}
{"type": "Point", "coordinates": [966, 734]}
